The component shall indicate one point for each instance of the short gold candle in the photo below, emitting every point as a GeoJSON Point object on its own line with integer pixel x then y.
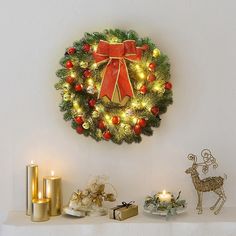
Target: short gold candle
{"type": "Point", "coordinates": [31, 186]}
{"type": "Point", "coordinates": [52, 190]}
{"type": "Point", "coordinates": [40, 209]}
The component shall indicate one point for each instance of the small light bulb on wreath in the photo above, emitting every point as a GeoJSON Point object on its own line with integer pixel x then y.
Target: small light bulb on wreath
{"type": "Point", "coordinates": [75, 105]}
{"type": "Point", "coordinates": [94, 47]}
{"type": "Point", "coordinates": [73, 74]}
{"type": "Point", "coordinates": [134, 120]}
{"type": "Point", "coordinates": [94, 66]}
{"type": "Point", "coordinates": [141, 75]}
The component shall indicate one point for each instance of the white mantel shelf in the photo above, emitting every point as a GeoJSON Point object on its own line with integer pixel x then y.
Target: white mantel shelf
{"type": "Point", "coordinates": [187, 224]}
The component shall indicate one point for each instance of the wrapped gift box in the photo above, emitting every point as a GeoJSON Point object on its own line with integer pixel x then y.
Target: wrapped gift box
{"type": "Point", "coordinates": [123, 211]}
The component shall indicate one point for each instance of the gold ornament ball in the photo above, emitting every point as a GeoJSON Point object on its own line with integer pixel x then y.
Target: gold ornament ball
{"type": "Point", "coordinates": [95, 114]}
{"type": "Point", "coordinates": [66, 86]}
{"type": "Point", "coordinates": [85, 125]}
{"type": "Point", "coordinates": [156, 52]}
{"type": "Point", "coordinates": [99, 133]}
{"type": "Point", "coordinates": [67, 97]}
{"type": "Point", "coordinates": [83, 64]}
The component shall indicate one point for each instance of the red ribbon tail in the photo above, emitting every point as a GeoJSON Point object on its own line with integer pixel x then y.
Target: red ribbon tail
{"type": "Point", "coordinates": [124, 84]}
{"type": "Point", "coordinates": [109, 79]}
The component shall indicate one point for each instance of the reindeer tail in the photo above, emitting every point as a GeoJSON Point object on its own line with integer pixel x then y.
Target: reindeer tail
{"type": "Point", "coordinates": [225, 177]}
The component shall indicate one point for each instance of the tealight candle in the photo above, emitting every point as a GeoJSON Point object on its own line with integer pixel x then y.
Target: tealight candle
{"type": "Point", "coordinates": [52, 190]}
{"type": "Point", "coordinates": [40, 209]}
{"type": "Point", "coordinates": [165, 196]}
{"type": "Point", "coordinates": [31, 185]}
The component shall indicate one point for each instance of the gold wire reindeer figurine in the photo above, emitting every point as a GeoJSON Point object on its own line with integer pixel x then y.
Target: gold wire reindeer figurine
{"type": "Point", "coordinates": [208, 184]}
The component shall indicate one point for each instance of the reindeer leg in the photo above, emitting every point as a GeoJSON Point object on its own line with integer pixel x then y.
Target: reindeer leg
{"type": "Point", "coordinates": [222, 196]}
{"type": "Point", "coordinates": [199, 206]}
{"type": "Point", "coordinates": [214, 206]}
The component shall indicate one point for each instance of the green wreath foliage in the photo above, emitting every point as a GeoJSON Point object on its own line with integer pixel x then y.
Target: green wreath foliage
{"type": "Point", "coordinates": [80, 79]}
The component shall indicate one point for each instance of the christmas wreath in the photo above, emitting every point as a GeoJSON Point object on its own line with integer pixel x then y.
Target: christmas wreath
{"type": "Point", "coordinates": [114, 85]}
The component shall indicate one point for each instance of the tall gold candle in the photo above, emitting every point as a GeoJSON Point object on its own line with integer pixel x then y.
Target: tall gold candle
{"type": "Point", "coordinates": [52, 190]}
{"type": "Point", "coordinates": [40, 209]}
{"type": "Point", "coordinates": [31, 185]}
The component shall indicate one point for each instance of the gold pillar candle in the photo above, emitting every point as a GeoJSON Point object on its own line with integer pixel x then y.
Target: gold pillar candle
{"type": "Point", "coordinates": [40, 209]}
{"type": "Point", "coordinates": [52, 190]}
{"type": "Point", "coordinates": [31, 186]}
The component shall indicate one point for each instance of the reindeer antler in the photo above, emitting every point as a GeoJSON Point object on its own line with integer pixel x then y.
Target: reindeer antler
{"type": "Point", "coordinates": [208, 160]}
{"type": "Point", "coordinates": [192, 157]}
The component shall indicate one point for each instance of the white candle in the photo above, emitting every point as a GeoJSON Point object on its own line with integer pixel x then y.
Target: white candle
{"type": "Point", "coordinates": [164, 196]}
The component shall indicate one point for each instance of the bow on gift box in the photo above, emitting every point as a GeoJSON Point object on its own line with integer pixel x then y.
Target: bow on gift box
{"type": "Point", "coordinates": [116, 72]}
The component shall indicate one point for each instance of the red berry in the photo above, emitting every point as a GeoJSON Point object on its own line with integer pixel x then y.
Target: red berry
{"type": "Point", "coordinates": [145, 47]}
{"type": "Point", "coordinates": [86, 47]}
{"type": "Point", "coordinates": [155, 110]}
{"type": "Point", "coordinates": [107, 135]}
{"type": "Point", "coordinates": [71, 50]}
{"type": "Point", "coordinates": [69, 64]}
{"type": "Point", "coordinates": [70, 80]}
{"type": "Point", "coordinates": [101, 124]}
{"type": "Point", "coordinates": [137, 129]}
{"type": "Point", "coordinates": [142, 122]}
{"type": "Point", "coordinates": [143, 89]}
{"type": "Point", "coordinates": [152, 66]}
{"type": "Point", "coordinates": [115, 120]}
{"type": "Point", "coordinates": [87, 73]}
{"type": "Point", "coordinates": [79, 120]}
{"type": "Point", "coordinates": [168, 85]}
{"type": "Point", "coordinates": [80, 129]}
{"type": "Point", "coordinates": [78, 87]}
{"type": "Point", "coordinates": [92, 102]}
{"type": "Point", "coordinates": [151, 78]}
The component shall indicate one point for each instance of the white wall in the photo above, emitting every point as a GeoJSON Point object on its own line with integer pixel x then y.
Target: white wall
{"type": "Point", "coordinates": [199, 38]}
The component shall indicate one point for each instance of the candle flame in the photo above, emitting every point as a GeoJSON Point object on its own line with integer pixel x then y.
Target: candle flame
{"type": "Point", "coordinates": [164, 192]}
{"type": "Point", "coordinates": [52, 172]}
{"type": "Point", "coordinates": [39, 195]}
{"type": "Point", "coordinates": [32, 162]}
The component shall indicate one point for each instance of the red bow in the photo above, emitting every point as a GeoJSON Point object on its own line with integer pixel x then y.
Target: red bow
{"type": "Point", "coordinates": [116, 72]}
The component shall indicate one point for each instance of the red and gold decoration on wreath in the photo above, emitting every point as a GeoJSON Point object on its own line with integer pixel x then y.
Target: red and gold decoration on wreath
{"type": "Point", "coordinates": [114, 86]}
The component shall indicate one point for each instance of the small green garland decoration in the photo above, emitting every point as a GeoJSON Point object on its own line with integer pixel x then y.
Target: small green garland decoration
{"type": "Point", "coordinates": [114, 86]}
{"type": "Point", "coordinates": [153, 204]}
